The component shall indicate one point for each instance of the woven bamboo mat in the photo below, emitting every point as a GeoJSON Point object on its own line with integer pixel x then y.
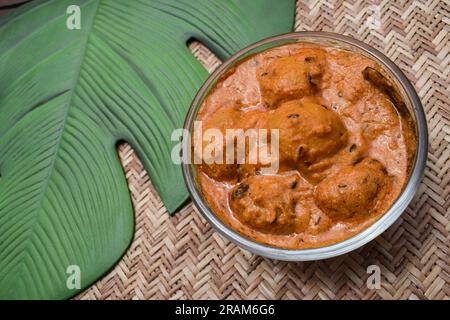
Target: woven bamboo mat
{"type": "Point", "coordinates": [182, 258]}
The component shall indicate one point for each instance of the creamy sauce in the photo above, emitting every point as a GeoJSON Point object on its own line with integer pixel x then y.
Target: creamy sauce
{"type": "Point", "coordinates": [345, 150]}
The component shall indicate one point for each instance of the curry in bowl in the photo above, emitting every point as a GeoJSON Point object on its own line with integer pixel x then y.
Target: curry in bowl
{"type": "Point", "coordinates": [346, 145]}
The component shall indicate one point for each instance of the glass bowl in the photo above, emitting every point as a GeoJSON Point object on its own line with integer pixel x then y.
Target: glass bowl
{"type": "Point", "coordinates": [411, 100]}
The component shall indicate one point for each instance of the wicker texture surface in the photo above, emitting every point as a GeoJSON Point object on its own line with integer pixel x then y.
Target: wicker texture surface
{"type": "Point", "coordinates": [181, 257]}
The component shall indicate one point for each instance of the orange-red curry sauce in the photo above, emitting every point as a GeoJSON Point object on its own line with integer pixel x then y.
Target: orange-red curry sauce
{"type": "Point", "coordinates": [345, 149]}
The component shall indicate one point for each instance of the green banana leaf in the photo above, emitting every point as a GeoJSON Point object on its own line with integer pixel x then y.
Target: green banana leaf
{"type": "Point", "coordinates": [68, 96]}
{"type": "Point", "coordinates": [11, 3]}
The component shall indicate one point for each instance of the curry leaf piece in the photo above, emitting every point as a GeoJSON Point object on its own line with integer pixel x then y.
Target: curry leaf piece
{"type": "Point", "coordinates": [68, 96]}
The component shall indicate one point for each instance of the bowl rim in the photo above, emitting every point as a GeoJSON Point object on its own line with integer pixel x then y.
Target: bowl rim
{"type": "Point", "coordinates": [357, 240]}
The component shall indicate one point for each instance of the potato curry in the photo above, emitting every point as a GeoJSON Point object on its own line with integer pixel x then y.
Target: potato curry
{"type": "Point", "coordinates": [345, 145]}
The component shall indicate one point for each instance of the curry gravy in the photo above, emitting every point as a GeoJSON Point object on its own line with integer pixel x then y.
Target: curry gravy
{"type": "Point", "coordinates": [345, 146]}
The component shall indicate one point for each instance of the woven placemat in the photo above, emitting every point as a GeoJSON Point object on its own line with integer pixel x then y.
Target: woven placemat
{"type": "Point", "coordinates": [181, 257]}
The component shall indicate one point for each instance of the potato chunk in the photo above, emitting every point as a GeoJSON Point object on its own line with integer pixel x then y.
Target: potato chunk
{"type": "Point", "coordinates": [275, 214]}
{"type": "Point", "coordinates": [226, 119]}
{"type": "Point", "coordinates": [352, 191]}
{"type": "Point", "coordinates": [308, 132]}
{"type": "Point", "coordinates": [290, 77]}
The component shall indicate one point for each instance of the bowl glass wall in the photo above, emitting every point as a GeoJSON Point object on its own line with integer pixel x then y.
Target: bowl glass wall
{"type": "Point", "coordinates": [412, 102]}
